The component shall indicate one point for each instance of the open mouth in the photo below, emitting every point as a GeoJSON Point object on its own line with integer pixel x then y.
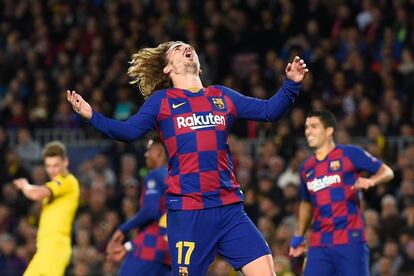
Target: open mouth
{"type": "Point", "coordinates": [188, 54]}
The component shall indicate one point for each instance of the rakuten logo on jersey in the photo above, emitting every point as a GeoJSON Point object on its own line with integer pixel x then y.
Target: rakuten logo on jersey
{"type": "Point", "coordinates": [321, 183]}
{"type": "Point", "coordinates": [201, 121]}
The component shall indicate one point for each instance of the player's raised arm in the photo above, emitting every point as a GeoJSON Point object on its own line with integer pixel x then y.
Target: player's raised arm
{"type": "Point", "coordinates": [273, 108]}
{"type": "Point", "coordinates": [132, 129]}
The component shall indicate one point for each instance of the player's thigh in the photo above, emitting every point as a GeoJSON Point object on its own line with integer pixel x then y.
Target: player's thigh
{"type": "Point", "coordinates": [241, 243]}
{"type": "Point", "coordinates": [192, 238]}
{"type": "Point", "coordinates": [132, 266]}
{"type": "Point", "coordinates": [351, 259]}
{"type": "Point", "coordinates": [319, 263]}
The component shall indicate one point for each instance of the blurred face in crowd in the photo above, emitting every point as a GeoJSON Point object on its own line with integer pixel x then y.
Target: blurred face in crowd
{"type": "Point", "coordinates": [316, 134]}
{"type": "Point", "coordinates": [153, 155]}
{"type": "Point", "coordinates": [182, 59]}
{"type": "Point", "coordinates": [56, 165]}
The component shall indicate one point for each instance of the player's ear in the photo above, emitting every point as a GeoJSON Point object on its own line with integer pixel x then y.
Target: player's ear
{"type": "Point", "coordinates": [330, 131]}
{"type": "Point", "coordinates": [66, 162]}
{"type": "Point", "coordinates": [200, 72]}
{"type": "Point", "coordinates": [167, 69]}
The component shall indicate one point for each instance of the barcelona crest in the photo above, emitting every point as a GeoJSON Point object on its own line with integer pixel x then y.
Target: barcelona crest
{"type": "Point", "coordinates": [335, 165]}
{"type": "Point", "coordinates": [218, 102]}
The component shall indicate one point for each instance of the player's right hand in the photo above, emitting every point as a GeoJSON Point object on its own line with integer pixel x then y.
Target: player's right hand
{"type": "Point", "coordinates": [79, 104]}
{"type": "Point", "coordinates": [117, 240]}
{"type": "Point", "coordinates": [117, 254]}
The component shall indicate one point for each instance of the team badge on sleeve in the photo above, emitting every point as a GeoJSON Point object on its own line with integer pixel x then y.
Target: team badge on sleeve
{"type": "Point", "coordinates": [218, 102]}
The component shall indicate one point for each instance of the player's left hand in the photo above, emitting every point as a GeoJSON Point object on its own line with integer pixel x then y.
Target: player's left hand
{"type": "Point", "coordinates": [363, 183]}
{"type": "Point", "coordinates": [296, 70]}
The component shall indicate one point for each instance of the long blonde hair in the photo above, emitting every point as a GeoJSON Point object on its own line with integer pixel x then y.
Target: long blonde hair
{"type": "Point", "coordinates": [146, 70]}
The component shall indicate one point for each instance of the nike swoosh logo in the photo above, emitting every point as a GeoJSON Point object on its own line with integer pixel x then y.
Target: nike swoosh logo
{"type": "Point", "coordinates": [178, 105]}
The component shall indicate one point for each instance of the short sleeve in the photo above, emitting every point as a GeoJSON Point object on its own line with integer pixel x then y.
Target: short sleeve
{"type": "Point", "coordinates": [58, 187]}
{"type": "Point", "coordinates": [362, 160]}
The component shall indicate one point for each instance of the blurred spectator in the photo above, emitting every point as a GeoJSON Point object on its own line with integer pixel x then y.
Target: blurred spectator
{"type": "Point", "coordinates": [28, 149]}
{"type": "Point", "coordinates": [10, 263]}
{"type": "Point", "coordinates": [391, 261]}
{"type": "Point", "coordinates": [9, 194]}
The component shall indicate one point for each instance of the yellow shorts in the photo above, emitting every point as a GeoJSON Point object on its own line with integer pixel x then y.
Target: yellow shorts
{"type": "Point", "coordinates": [49, 263]}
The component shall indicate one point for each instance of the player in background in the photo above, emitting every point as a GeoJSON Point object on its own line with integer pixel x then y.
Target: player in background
{"type": "Point", "coordinates": [60, 197]}
{"type": "Point", "coordinates": [148, 253]}
{"type": "Point", "coordinates": [330, 191]}
{"type": "Point", "coordinates": [205, 213]}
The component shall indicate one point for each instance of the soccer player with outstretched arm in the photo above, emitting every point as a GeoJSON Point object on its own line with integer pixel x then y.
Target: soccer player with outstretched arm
{"type": "Point", "coordinates": [330, 190]}
{"type": "Point", "coordinates": [60, 198]}
{"type": "Point", "coordinates": [204, 202]}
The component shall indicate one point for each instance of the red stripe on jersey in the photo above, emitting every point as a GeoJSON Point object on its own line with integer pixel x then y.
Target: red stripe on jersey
{"type": "Point", "coordinates": [188, 163]}
{"type": "Point", "coordinates": [223, 161]}
{"type": "Point", "coordinates": [335, 154]}
{"type": "Point", "coordinates": [323, 197]}
{"type": "Point", "coordinates": [340, 236]}
{"type": "Point", "coordinates": [209, 181]}
{"type": "Point", "coordinates": [147, 253]}
{"type": "Point", "coordinates": [315, 238]}
{"type": "Point", "coordinates": [199, 104]}
{"type": "Point", "coordinates": [192, 201]}
{"type": "Point", "coordinates": [173, 182]}
{"type": "Point", "coordinates": [230, 106]}
{"type": "Point", "coordinates": [355, 222]}
{"type": "Point", "coordinates": [171, 146]}
{"type": "Point", "coordinates": [206, 140]}
{"type": "Point", "coordinates": [212, 91]}
{"type": "Point", "coordinates": [175, 93]}
{"type": "Point", "coordinates": [327, 224]}
{"type": "Point", "coordinates": [229, 196]}
{"type": "Point", "coordinates": [339, 209]}
{"type": "Point", "coordinates": [165, 111]}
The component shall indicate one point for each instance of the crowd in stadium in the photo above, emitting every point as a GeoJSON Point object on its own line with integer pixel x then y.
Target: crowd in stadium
{"type": "Point", "coordinates": [361, 61]}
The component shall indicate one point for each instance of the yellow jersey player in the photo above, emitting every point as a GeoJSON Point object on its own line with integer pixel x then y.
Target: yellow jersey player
{"type": "Point", "coordinates": [60, 198]}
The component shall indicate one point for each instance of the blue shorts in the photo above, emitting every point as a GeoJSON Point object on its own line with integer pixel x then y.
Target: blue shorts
{"type": "Point", "coordinates": [132, 266]}
{"type": "Point", "coordinates": [194, 238]}
{"type": "Point", "coordinates": [339, 260]}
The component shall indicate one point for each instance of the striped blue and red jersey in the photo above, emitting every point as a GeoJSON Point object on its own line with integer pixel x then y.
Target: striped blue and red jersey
{"type": "Point", "coordinates": [194, 129]}
{"type": "Point", "coordinates": [327, 185]}
{"type": "Point", "coordinates": [150, 243]}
